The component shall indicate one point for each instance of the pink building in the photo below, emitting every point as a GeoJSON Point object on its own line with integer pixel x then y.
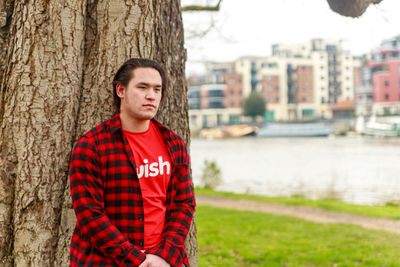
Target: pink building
{"type": "Point", "coordinates": [385, 70]}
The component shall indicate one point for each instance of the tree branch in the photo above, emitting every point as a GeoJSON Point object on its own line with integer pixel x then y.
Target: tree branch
{"type": "Point", "coordinates": [191, 8]}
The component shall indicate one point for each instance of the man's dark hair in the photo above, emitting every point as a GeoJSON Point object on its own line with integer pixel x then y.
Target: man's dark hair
{"type": "Point", "coordinates": [125, 74]}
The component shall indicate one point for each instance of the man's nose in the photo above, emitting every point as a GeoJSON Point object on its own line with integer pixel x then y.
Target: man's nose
{"type": "Point", "coordinates": [151, 94]}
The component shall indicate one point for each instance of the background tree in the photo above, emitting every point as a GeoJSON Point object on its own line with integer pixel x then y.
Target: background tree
{"type": "Point", "coordinates": [254, 105]}
{"type": "Point", "coordinates": [59, 61]}
{"type": "Point", "coordinates": [351, 8]}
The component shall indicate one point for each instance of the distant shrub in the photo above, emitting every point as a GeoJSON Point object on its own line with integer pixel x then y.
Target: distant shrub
{"type": "Point", "coordinates": [393, 203]}
{"type": "Point", "coordinates": [211, 176]}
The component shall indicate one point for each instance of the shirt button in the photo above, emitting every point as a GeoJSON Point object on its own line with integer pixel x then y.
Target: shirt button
{"type": "Point", "coordinates": [141, 243]}
{"type": "Point", "coordinates": [141, 218]}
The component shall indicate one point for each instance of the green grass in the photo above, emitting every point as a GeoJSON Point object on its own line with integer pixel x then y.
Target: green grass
{"type": "Point", "coordinates": [244, 238]}
{"type": "Point", "coordinates": [388, 211]}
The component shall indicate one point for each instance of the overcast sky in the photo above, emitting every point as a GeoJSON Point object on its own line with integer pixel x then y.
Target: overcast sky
{"type": "Point", "coordinates": [248, 28]}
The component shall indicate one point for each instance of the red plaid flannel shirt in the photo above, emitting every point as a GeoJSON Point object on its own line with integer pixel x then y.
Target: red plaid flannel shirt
{"type": "Point", "coordinates": [109, 206]}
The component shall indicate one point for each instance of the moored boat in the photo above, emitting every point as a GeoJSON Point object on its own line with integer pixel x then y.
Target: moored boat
{"type": "Point", "coordinates": [383, 126]}
{"type": "Point", "coordinates": [240, 130]}
{"type": "Point", "coordinates": [295, 129]}
{"type": "Point", "coordinates": [229, 131]}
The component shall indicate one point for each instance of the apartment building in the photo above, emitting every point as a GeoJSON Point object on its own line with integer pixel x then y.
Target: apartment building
{"type": "Point", "coordinates": [215, 99]}
{"type": "Point", "coordinates": [333, 66]}
{"type": "Point", "coordinates": [385, 77]}
{"type": "Point", "coordinates": [363, 91]}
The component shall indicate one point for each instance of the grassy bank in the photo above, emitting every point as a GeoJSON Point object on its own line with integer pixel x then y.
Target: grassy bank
{"type": "Point", "coordinates": [388, 211]}
{"type": "Point", "coordinates": [239, 238]}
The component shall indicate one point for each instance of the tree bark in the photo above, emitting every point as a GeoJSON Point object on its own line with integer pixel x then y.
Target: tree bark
{"type": "Point", "coordinates": [7, 169]}
{"type": "Point", "coordinates": [62, 56]}
{"type": "Point", "coordinates": [6, 9]}
{"type": "Point", "coordinates": [42, 82]}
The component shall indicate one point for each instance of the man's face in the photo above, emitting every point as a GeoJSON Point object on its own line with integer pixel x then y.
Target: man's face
{"type": "Point", "coordinates": [141, 98]}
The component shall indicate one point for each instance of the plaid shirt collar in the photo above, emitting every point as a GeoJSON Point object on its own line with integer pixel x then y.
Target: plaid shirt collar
{"type": "Point", "coordinates": [115, 124]}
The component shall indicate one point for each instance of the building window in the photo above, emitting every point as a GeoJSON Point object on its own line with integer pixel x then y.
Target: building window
{"type": "Point", "coordinates": [194, 105]}
{"type": "Point", "coordinates": [347, 88]}
{"type": "Point", "coordinates": [386, 96]}
{"type": "Point", "coordinates": [386, 83]}
{"type": "Point", "coordinates": [399, 84]}
{"type": "Point", "coordinates": [331, 48]}
{"type": "Point", "coordinates": [322, 77]}
{"type": "Point", "coordinates": [322, 88]}
{"type": "Point", "coordinates": [322, 100]}
{"type": "Point", "coordinates": [215, 93]}
{"type": "Point", "coordinates": [216, 105]}
{"type": "Point", "coordinates": [398, 69]}
{"type": "Point", "coordinates": [194, 94]}
{"type": "Point", "coordinates": [307, 112]}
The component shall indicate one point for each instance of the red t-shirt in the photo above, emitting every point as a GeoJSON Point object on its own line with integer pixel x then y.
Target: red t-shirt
{"type": "Point", "coordinates": [153, 167]}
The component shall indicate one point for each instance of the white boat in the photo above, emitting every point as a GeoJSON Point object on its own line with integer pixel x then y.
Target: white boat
{"type": "Point", "coordinates": [383, 126]}
{"type": "Point", "coordinates": [295, 129]}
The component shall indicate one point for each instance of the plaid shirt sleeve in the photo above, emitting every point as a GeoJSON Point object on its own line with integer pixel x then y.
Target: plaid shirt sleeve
{"type": "Point", "coordinates": [88, 202]}
{"type": "Point", "coordinates": [179, 217]}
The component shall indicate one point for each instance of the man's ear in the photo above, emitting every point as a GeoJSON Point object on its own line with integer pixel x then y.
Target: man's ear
{"type": "Point", "coordinates": [120, 90]}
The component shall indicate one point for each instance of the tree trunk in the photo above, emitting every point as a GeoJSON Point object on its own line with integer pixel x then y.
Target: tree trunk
{"type": "Point", "coordinates": [7, 168]}
{"type": "Point", "coordinates": [62, 57]}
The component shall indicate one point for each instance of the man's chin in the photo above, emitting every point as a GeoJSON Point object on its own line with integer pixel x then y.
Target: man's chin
{"type": "Point", "coordinates": [148, 116]}
{"type": "Point", "coordinates": [142, 115]}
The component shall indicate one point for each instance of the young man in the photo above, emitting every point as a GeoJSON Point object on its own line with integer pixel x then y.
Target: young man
{"type": "Point", "coordinates": [130, 180]}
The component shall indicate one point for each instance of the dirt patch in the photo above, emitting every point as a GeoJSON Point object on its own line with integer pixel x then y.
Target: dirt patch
{"type": "Point", "coordinates": [302, 212]}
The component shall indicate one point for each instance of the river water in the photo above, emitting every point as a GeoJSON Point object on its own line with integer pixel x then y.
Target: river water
{"type": "Point", "coordinates": [357, 169]}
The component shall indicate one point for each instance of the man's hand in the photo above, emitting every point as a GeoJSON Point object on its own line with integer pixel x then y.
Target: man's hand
{"type": "Point", "coordinates": [154, 261]}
